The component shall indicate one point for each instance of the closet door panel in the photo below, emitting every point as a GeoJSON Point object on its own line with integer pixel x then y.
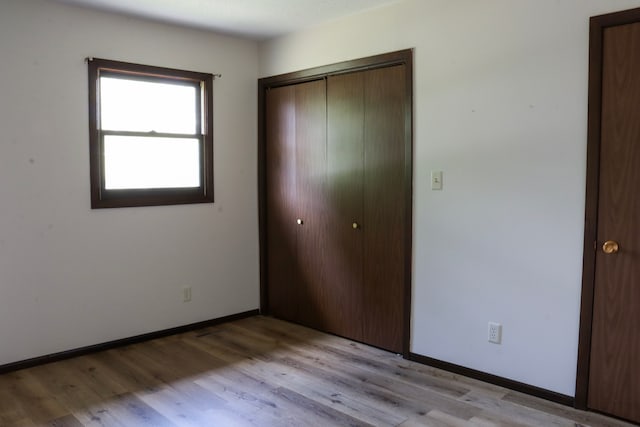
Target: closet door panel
{"type": "Point", "coordinates": [345, 153]}
{"type": "Point", "coordinates": [384, 204]}
{"type": "Point", "coordinates": [281, 203]}
{"type": "Point", "coordinates": [314, 299]}
{"type": "Point", "coordinates": [336, 204]}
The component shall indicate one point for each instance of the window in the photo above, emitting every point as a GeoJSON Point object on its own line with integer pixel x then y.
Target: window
{"type": "Point", "coordinates": [151, 135]}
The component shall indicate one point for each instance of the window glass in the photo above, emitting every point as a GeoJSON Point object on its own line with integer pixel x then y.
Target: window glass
{"type": "Point", "coordinates": [147, 162]}
{"type": "Point", "coordinates": [142, 106]}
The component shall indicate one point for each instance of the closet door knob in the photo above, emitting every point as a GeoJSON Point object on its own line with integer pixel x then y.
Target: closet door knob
{"type": "Point", "coordinates": [299, 221]}
{"type": "Point", "coordinates": [610, 247]}
{"type": "Point", "coordinates": [355, 225]}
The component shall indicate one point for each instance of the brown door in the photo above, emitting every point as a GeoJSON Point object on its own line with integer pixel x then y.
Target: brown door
{"type": "Point", "coordinates": [366, 119]}
{"type": "Point", "coordinates": [336, 204]}
{"type": "Point", "coordinates": [345, 156]}
{"type": "Point", "coordinates": [296, 202]}
{"type": "Point", "coordinates": [384, 207]}
{"type": "Point", "coordinates": [281, 203]}
{"type": "Point", "coordinates": [314, 302]}
{"type": "Point", "coordinates": [614, 374]}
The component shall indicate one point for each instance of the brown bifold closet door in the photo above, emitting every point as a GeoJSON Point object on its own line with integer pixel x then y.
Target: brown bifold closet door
{"type": "Point", "coordinates": [311, 177]}
{"type": "Point", "coordinates": [281, 203]}
{"type": "Point", "coordinates": [295, 199]}
{"type": "Point", "coordinates": [335, 169]}
{"type": "Point", "coordinates": [384, 207]}
{"type": "Point", "coordinates": [365, 145]}
{"type": "Point", "coordinates": [345, 153]}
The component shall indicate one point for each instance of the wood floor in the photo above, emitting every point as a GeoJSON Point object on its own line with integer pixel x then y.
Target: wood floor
{"type": "Point", "coordinates": [263, 372]}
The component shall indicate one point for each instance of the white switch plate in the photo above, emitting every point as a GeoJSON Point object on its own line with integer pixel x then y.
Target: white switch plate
{"type": "Point", "coordinates": [436, 180]}
{"type": "Point", "coordinates": [186, 294]}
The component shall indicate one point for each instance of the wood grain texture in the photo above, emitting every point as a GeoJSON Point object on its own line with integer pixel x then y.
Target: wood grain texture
{"type": "Point", "coordinates": [614, 383]}
{"type": "Point", "coordinates": [281, 202]}
{"type": "Point", "coordinates": [338, 257]}
{"type": "Point", "coordinates": [597, 24]}
{"type": "Point", "coordinates": [314, 299]}
{"type": "Point", "coordinates": [296, 173]}
{"type": "Point", "coordinates": [495, 380]}
{"type": "Point", "coordinates": [384, 203]}
{"type": "Point", "coordinates": [264, 372]}
{"type": "Point", "coordinates": [348, 133]}
{"type": "Point", "coordinates": [345, 156]}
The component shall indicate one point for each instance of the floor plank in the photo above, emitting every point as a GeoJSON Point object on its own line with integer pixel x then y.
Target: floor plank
{"type": "Point", "coordinates": [264, 372]}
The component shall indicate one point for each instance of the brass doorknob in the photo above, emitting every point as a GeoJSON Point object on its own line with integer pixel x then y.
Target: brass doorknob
{"type": "Point", "coordinates": [300, 221]}
{"type": "Point", "coordinates": [610, 247]}
{"type": "Point", "coordinates": [355, 225]}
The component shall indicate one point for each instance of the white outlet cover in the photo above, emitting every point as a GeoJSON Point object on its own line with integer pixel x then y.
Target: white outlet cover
{"type": "Point", "coordinates": [495, 333]}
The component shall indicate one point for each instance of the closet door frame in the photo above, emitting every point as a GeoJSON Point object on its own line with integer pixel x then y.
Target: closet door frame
{"type": "Point", "coordinates": [402, 57]}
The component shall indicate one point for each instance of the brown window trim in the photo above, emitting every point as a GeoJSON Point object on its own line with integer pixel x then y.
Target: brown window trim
{"type": "Point", "coordinates": [103, 198]}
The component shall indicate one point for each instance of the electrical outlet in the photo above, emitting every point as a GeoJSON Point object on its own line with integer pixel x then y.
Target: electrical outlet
{"type": "Point", "coordinates": [495, 332]}
{"type": "Point", "coordinates": [186, 294]}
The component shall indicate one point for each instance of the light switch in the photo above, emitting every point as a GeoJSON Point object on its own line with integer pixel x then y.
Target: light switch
{"type": "Point", "coordinates": [436, 180]}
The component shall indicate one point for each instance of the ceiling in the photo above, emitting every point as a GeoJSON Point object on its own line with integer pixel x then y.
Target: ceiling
{"type": "Point", "coordinates": [256, 19]}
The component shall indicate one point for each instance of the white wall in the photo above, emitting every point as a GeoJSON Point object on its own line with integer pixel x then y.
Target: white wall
{"type": "Point", "coordinates": [500, 105]}
{"type": "Point", "coordinates": [71, 276]}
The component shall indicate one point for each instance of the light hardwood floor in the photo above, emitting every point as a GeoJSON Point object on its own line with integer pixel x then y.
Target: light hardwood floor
{"type": "Point", "coordinates": [263, 372]}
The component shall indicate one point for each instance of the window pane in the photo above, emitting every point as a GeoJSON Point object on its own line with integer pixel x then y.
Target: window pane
{"type": "Point", "coordinates": [139, 106]}
{"type": "Point", "coordinates": [133, 162]}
